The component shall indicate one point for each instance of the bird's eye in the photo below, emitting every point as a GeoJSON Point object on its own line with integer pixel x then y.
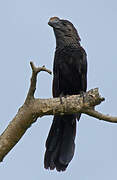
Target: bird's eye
{"type": "Point", "coordinates": [64, 23]}
{"type": "Point", "coordinates": [69, 29]}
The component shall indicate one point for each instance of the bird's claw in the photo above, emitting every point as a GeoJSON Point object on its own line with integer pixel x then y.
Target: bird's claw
{"type": "Point", "coordinates": [83, 94]}
{"type": "Point", "coordinates": [62, 95]}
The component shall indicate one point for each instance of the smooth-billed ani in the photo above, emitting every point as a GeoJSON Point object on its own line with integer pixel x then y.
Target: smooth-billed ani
{"type": "Point", "coordinates": [70, 77]}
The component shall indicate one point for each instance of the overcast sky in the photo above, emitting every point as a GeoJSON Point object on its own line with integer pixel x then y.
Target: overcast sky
{"type": "Point", "coordinates": [24, 36]}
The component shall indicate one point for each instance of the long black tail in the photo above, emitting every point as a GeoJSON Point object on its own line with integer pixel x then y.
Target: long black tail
{"type": "Point", "coordinates": [60, 144]}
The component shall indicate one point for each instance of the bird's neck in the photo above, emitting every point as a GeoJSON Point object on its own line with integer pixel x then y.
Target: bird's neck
{"type": "Point", "coordinates": [67, 42]}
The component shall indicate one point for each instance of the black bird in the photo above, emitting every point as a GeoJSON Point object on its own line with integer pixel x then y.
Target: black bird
{"type": "Point", "coordinates": [70, 77]}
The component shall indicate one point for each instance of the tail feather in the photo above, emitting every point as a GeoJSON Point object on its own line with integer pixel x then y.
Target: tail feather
{"type": "Point", "coordinates": [53, 143]}
{"type": "Point", "coordinates": [67, 144]}
{"type": "Point", "coordinates": [60, 144]}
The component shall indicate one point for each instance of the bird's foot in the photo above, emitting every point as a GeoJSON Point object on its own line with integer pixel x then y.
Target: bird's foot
{"type": "Point", "coordinates": [62, 95]}
{"type": "Point", "coordinates": [83, 94]}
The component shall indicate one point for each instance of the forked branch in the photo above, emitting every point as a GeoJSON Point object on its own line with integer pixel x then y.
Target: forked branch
{"type": "Point", "coordinates": [35, 71]}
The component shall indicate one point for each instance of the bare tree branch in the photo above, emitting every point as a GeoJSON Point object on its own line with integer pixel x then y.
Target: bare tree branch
{"type": "Point", "coordinates": [35, 71]}
{"type": "Point", "coordinates": [100, 116]}
{"type": "Point", "coordinates": [34, 108]}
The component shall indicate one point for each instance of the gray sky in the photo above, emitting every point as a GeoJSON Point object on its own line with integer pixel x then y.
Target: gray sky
{"type": "Point", "coordinates": [25, 36]}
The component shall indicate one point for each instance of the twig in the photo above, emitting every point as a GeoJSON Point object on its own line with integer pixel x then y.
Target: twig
{"type": "Point", "coordinates": [100, 116]}
{"type": "Point", "coordinates": [38, 69]}
{"type": "Point", "coordinates": [35, 71]}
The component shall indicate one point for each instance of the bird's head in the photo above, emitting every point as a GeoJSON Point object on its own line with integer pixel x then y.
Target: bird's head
{"type": "Point", "coordinates": [64, 30]}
